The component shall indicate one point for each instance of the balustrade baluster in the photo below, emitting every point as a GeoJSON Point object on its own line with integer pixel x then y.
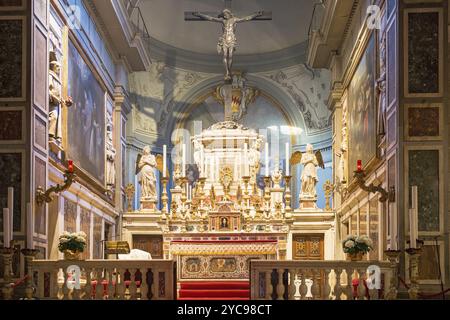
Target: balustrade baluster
{"type": "Point", "coordinates": [349, 288]}
{"type": "Point", "coordinates": [361, 289]}
{"type": "Point", "coordinates": [292, 288]}
{"type": "Point", "coordinates": [326, 291]}
{"type": "Point", "coordinates": [269, 286]}
{"type": "Point", "coordinates": [66, 292]}
{"type": "Point", "coordinates": [315, 277]}
{"type": "Point", "coordinates": [303, 286]}
{"type": "Point", "coordinates": [40, 282]}
{"type": "Point", "coordinates": [88, 286]}
{"type": "Point", "coordinates": [156, 291]}
{"type": "Point", "coordinates": [120, 285]}
{"type": "Point", "coordinates": [338, 287]}
{"type": "Point", "coordinates": [54, 288]}
{"type": "Point", "coordinates": [144, 286]}
{"type": "Point", "coordinates": [280, 285]}
{"type": "Point", "coordinates": [133, 287]}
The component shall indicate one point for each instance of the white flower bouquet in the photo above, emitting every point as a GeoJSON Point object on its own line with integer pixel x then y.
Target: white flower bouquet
{"type": "Point", "coordinates": [357, 244]}
{"type": "Point", "coordinates": [75, 242]}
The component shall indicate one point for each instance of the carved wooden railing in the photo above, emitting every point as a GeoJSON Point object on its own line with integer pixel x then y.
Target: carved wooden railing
{"type": "Point", "coordinates": [105, 280]}
{"type": "Point", "coordinates": [320, 280]}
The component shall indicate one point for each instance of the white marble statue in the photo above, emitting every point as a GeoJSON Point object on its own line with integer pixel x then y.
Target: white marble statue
{"type": "Point", "coordinates": [310, 162]}
{"type": "Point", "coordinates": [110, 155]}
{"type": "Point", "coordinates": [145, 165]}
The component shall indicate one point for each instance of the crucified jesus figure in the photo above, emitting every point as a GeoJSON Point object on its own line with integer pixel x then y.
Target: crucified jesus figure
{"type": "Point", "coordinates": [227, 42]}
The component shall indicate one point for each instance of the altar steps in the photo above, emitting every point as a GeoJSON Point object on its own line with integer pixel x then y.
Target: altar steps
{"type": "Point", "coordinates": [214, 290]}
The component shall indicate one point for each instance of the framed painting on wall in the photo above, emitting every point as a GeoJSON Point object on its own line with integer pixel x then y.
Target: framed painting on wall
{"type": "Point", "coordinates": [362, 110]}
{"type": "Point", "coordinates": [85, 132]}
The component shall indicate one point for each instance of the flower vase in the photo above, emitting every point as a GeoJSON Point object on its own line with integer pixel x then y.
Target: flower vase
{"type": "Point", "coordinates": [72, 255]}
{"type": "Point", "coordinates": [357, 256]}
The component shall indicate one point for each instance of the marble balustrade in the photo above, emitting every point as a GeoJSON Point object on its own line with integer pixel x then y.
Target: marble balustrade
{"type": "Point", "coordinates": [104, 280]}
{"type": "Point", "coordinates": [319, 280]}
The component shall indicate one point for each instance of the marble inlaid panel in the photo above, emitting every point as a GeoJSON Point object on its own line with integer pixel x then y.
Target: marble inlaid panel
{"type": "Point", "coordinates": [97, 238]}
{"type": "Point", "coordinates": [424, 173]}
{"type": "Point", "coordinates": [10, 3]}
{"type": "Point", "coordinates": [391, 64]}
{"type": "Point", "coordinates": [40, 168]}
{"type": "Point", "coordinates": [70, 216]}
{"type": "Point", "coordinates": [40, 69]}
{"type": "Point", "coordinates": [85, 226]}
{"type": "Point", "coordinates": [423, 52]}
{"type": "Point", "coordinates": [423, 122]}
{"type": "Point", "coordinates": [391, 172]}
{"type": "Point", "coordinates": [363, 221]}
{"type": "Point", "coordinates": [11, 125]}
{"type": "Point", "coordinates": [40, 132]}
{"type": "Point", "coordinates": [11, 58]}
{"type": "Point", "coordinates": [11, 176]}
{"type": "Point", "coordinates": [40, 10]}
{"type": "Point", "coordinates": [428, 263]}
{"type": "Point", "coordinates": [373, 228]}
{"type": "Point", "coordinates": [392, 129]}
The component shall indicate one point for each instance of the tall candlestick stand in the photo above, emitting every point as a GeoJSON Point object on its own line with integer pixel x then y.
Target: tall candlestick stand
{"type": "Point", "coordinates": [29, 255]}
{"type": "Point", "coordinates": [7, 255]}
{"type": "Point", "coordinates": [393, 256]}
{"type": "Point", "coordinates": [267, 198]}
{"type": "Point", "coordinates": [287, 197]}
{"type": "Point", "coordinates": [164, 198]}
{"type": "Point", "coordinates": [246, 195]}
{"type": "Point", "coordinates": [414, 256]}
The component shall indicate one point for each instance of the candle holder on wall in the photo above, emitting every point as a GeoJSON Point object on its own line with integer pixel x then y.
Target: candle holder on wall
{"type": "Point", "coordinates": [43, 197]}
{"type": "Point", "coordinates": [386, 195]}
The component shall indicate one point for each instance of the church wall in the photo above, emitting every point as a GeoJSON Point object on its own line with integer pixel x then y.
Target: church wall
{"type": "Point", "coordinates": [414, 147]}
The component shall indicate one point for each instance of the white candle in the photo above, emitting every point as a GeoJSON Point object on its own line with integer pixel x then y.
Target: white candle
{"type": "Point", "coordinates": [202, 162]}
{"type": "Point", "coordinates": [30, 227]}
{"type": "Point", "coordinates": [6, 228]}
{"type": "Point", "coordinates": [235, 174]}
{"type": "Point", "coordinates": [164, 161]}
{"type": "Point", "coordinates": [246, 168]}
{"type": "Point", "coordinates": [267, 159]}
{"type": "Point", "coordinates": [414, 216]}
{"type": "Point", "coordinates": [212, 168]}
{"type": "Point", "coordinates": [239, 166]}
{"type": "Point", "coordinates": [287, 159]}
{"type": "Point", "coordinates": [184, 160]}
{"type": "Point", "coordinates": [11, 211]}
{"type": "Point", "coordinates": [393, 226]}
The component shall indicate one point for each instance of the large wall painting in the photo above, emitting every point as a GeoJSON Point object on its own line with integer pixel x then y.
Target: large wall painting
{"type": "Point", "coordinates": [86, 118]}
{"type": "Point", "coordinates": [361, 103]}
{"type": "Point", "coordinates": [11, 176]}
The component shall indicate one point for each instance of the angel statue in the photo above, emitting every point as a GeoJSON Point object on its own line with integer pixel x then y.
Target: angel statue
{"type": "Point", "coordinates": [310, 162]}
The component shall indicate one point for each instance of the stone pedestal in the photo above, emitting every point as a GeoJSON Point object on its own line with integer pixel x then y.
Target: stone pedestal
{"type": "Point", "coordinates": [148, 204]}
{"type": "Point", "coordinates": [308, 203]}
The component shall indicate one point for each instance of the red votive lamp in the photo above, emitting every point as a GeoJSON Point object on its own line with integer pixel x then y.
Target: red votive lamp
{"type": "Point", "coordinates": [359, 166]}
{"type": "Point", "coordinates": [70, 166]}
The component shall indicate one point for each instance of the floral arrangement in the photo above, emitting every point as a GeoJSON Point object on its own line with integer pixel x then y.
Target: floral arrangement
{"type": "Point", "coordinates": [356, 244]}
{"type": "Point", "coordinates": [75, 242]}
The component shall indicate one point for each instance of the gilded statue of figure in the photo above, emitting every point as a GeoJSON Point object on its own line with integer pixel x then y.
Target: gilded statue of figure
{"type": "Point", "coordinates": [227, 42]}
{"type": "Point", "coordinates": [145, 165]}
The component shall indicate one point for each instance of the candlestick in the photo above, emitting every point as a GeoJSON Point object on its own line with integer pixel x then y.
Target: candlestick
{"type": "Point", "coordinates": [202, 162]}
{"type": "Point", "coordinates": [30, 227]}
{"type": "Point", "coordinates": [11, 213]}
{"type": "Point", "coordinates": [164, 161]}
{"type": "Point", "coordinates": [393, 226]}
{"type": "Point", "coordinates": [287, 159]}
{"type": "Point", "coordinates": [6, 228]}
{"type": "Point", "coordinates": [267, 159]}
{"type": "Point", "coordinates": [183, 170]}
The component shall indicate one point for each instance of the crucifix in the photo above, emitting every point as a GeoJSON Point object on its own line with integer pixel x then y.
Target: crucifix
{"type": "Point", "coordinates": [227, 42]}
